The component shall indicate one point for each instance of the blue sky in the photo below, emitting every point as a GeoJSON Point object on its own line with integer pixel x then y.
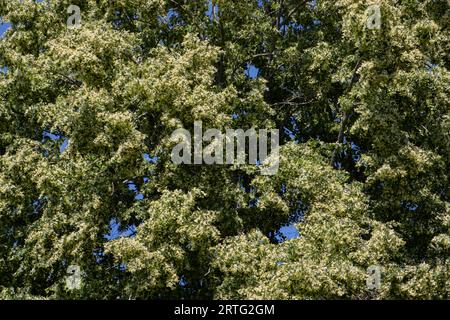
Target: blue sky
{"type": "Point", "coordinates": [3, 28]}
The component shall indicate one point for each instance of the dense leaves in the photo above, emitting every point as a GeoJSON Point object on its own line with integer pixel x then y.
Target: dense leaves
{"type": "Point", "coordinates": [86, 177]}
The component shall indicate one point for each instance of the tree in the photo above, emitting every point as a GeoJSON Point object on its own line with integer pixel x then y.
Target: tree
{"type": "Point", "coordinates": [86, 115]}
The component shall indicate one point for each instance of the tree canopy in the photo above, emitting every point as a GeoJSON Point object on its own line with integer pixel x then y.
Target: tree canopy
{"type": "Point", "coordinates": [86, 178]}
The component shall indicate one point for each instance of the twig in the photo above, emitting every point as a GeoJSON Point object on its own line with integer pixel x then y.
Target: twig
{"type": "Point", "coordinates": [346, 114]}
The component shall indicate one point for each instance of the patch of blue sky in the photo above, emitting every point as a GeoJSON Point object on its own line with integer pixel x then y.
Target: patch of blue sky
{"type": "Point", "coordinates": [3, 27]}
{"type": "Point", "coordinates": [209, 11]}
{"type": "Point", "coordinates": [289, 232]}
{"type": "Point", "coordinates": [251, 71]}
{"type": "Point", "coordinates": [132, 187]}
{"type": "Point", "coordinates": [115, 231]}
{"type": "Point", "coordinates": [167, 18]}
{"type": "Point", "coordinates": [149, 158]}
{"type": "Point", "coordinates": [182, 282]}
{"type": "Point", "coordinates": [410, 206]}
{"type": "Point", "coordinates": [64, 145]}
{"type": "Point", "coordinates": [294, 25]}
{"type": "Point", "coordinates": [289, 133]}
{"type": "Point", "coordinates": [50, 135]}
{"type": "Point", "coordinates": [56, 137]}
{"type": "Point", "coordinates": [139, 197]}
{"type": "Point", "coordinates": [357, 151]}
